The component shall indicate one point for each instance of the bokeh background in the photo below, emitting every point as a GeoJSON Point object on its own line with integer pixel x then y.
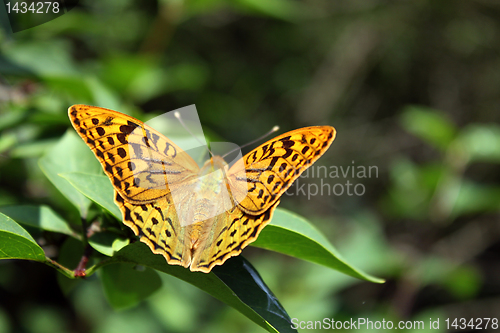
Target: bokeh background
{"type": "Point", "coordinates": [412, 87]}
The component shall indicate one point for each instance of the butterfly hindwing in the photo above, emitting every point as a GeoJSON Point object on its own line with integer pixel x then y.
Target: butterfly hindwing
{"type": "Point", "coordinates": [233, 231]}
{"type": "Point", "coordinates": [157, 226]}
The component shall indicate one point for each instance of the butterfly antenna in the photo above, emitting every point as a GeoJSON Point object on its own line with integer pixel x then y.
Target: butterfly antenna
{"type": "Point", "coordinates": [178, 116]}
{"type": "Point", "coordinates": [274, 129]}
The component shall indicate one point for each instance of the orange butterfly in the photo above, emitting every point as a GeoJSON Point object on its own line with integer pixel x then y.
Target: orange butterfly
{"type": "Point", "coordinates": [195, 217]}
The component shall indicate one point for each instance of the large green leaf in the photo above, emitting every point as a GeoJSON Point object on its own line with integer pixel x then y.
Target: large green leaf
{"type": "Point", "coordinates": [70, 154]}
{"type": "Point", "coordinates": [125, 285]}
{"type": "Point", "coordinates": [236, 283]}
{"type": "Point", "coordinates": [42, 217]}
{"type": "Point", "coordinates": [17, 243]}
{"type": "Point", "coordinates": [291, 234]}
{"type": "Point", "coordinates": [242, 278]}
{"type": "Point", "coordinates": [95, 187]}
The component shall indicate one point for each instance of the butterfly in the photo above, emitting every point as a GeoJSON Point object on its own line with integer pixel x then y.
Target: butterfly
{"type": "Point", "coordinates": [195, 217]}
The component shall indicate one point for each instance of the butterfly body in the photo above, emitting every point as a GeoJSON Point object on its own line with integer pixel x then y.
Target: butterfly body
{"type": "Point", "coordinates": [194, 217]}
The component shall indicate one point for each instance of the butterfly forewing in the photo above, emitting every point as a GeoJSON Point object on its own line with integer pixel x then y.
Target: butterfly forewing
{"type": "Point", "coordinates": [137, 159]}
{"type": "Point", "coordinates": [271, 168]}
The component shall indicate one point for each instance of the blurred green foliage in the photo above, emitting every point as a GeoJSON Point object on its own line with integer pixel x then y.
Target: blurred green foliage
{"type": "Point", "coordinates": [411, 87]}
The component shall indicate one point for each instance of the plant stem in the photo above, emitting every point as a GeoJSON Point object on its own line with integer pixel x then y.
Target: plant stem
{"type": "Point", "coordinates": [63, 270]}
{"type": "Point", "coordinates": [72, 273]}
{"type": "Point", "coordinates": [85, 238]}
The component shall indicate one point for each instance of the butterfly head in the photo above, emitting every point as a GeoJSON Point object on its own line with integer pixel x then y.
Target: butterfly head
{"type": "Point", "coordinates": [213, 164]}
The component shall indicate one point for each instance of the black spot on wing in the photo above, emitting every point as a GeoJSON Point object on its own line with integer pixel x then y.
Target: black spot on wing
{"type": "Point", "coordinates": [246, 232]}
{"type": "Point", "coordinates": [119, 171]}
{"type": "Point", "coordinates": [287, 153]}
{"type": "Point", "coordinates": [127, 129]}
{"type": "Point", "coordinates": [288, 144]}
{"type": "Point", "coordinates": [100, 131]}
{"type": "Point", "coordinates": [230, 245]}
{"type": "Point", "coordinates": [122, 138]}
{"type": "Point", "coordinates": [121, 152]}
{"type": "Point", "coordinates": [158, 209]}
{"type": "Point", "coordinates": [138, 217]}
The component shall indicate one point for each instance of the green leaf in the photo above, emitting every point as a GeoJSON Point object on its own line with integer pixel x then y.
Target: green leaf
{"type": "Point", "coordinates": [473, 198]}
{"type": "Point", "coordinates": [463, 282]}
{"type": "Point", "coordinates": [235, 283]}
{"type": "Point", "coordinates": [481, 143]}
{"type": "Point", "coordinates": [107, 243]}
{"type": "Point", "coordinates": [95, 187]}
{"type": "Point", "coordinates": [43, 57]}
{"type": "Point", "coordinates": [429, 125]}
{"type": "Point", "coordinates": [72, 86]}
{"type": "Point", "coordinates": [17, 243]}
{"type": "Point", "coordinates": [244, 280]}
{"type": "Point", "coordinates": [102, 95]}
{"type": "Point", "coordinates": [291, 234]}
{"type": "Point", "coordinates": [70, 154]}
{"type": "Point", "coordinates": [13, 118]}
{"type": "Point", "coordinates": [126, 285]}
{"type": "Point", "coordinates": [32, 149]}
{"type": "Point", "coordinates": [42, 217]}
{"type": "Point", "coordinates": [7, 141]}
